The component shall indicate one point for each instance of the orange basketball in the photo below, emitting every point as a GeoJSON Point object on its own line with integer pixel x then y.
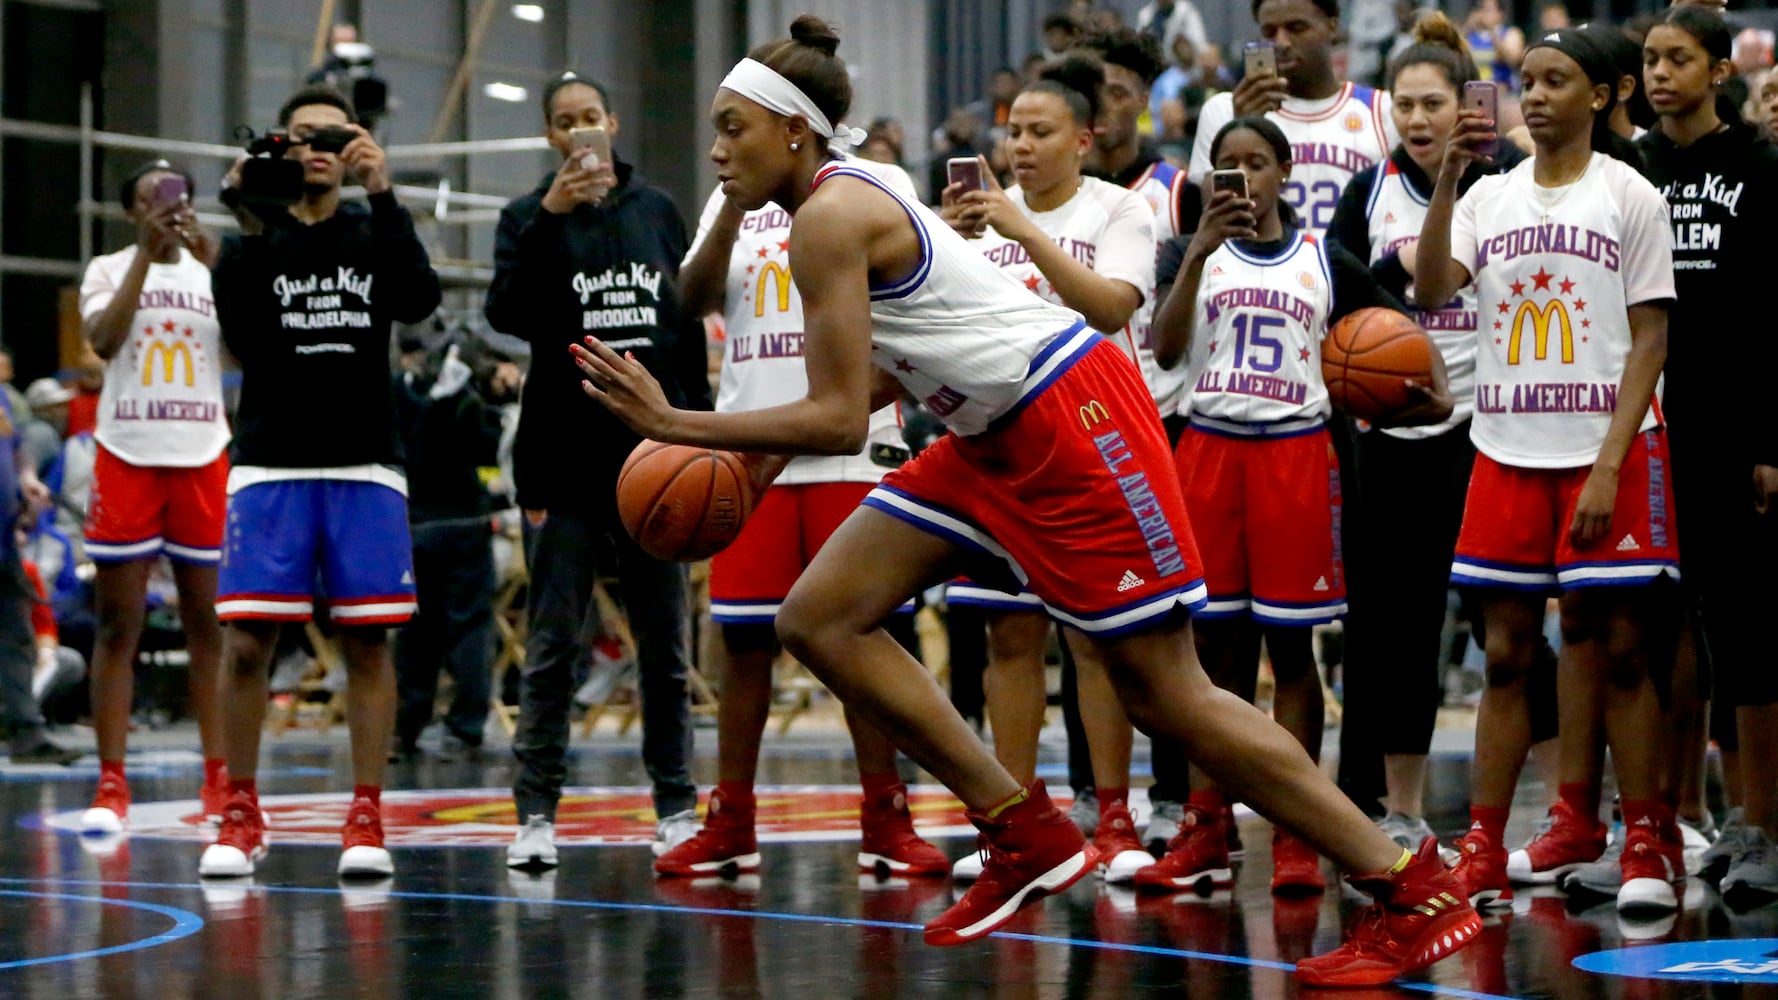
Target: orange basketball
{"type": "Point", "coordinates": [682, 503]}
{"type": "Point", "coordinates": [1366, 357]}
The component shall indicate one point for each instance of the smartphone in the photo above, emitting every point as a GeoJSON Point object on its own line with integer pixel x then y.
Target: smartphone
{"type": "Point", "coordinates": [594, 138]}
{"type": "Point", "coordinates": [1483, 96]}
{"type": "Point", "coordinates": [965, 170]}
{"type": "Point", "coordinates": [331, 139]}
{"type": "Point", "coordinates": [1229, 180]}
{"type": "Point", "coordinates": [1261, 59]}
{"type": "Point", "coordinates": [169, 190]}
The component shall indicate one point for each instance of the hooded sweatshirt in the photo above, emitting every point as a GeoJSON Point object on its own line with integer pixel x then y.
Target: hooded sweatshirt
{"type": "Point", "coordinates": [610, 271]}
{"type": "Point", "coordinates": [1722, 346]}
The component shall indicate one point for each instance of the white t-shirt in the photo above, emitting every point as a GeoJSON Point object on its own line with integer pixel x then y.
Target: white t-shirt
{"type": "Point", "coordinates": [957, 332]}
{"type": "Point", "coordinates": [1556, 270]}
{"type": "Point", "coordinates": [1108, 228]}
{"type": "Point", "coordinates": [1331, 141]}
{"type": "Point", "coordinates": [1256, 346]}
{"type": "Point", "coordinates": [762, 358]}
{"type": "Point", "coordinates": [1396, 213]}
{"type": "Point", "coordinates": [162, 401]}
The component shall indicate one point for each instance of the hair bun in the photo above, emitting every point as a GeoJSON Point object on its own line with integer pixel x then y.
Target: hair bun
{"type": "Point", "coordinates": [812, 31]}
{"type": "Point", "coordinates": [1079, 70]}
{"type": "Point", "coordinates": [1436, 29]}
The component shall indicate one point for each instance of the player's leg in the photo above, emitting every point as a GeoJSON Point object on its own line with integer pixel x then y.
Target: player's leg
{"type": "Point", "coordinates": [197, 507]}
{"type": "Point", "coordinates": [1109, 740]}
{"type": "Point", "coordinates": [120, 591]}
{"type": "Point", "coordinates": [420, 645]}
{"type": "Point", "coordinates": [1015, 686]}
{"type": "Point", "coordinates": [370, 700]}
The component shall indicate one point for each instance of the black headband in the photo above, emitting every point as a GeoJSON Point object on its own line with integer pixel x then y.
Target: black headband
{"type": "Point", "coordinates": [1576, 44]}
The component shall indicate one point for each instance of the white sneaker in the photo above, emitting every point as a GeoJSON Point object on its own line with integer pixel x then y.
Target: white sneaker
{"type": "Point", "coordinates": [1697, 840]}
{"type": "Point", "coordinates": [364, 861]}
{"type": "Point", "coordinates": [607, 674]}
{"type": "Point", "coordinates": [967, 868]}
{"type": "Point", "coordinates": [674, 830]}
{"type": "Point", "coordinates": [535, 844]}
{"type": "Point", "coordinates": [100, 821]}
{"type": "Point", "coordinates": [1122, 869]}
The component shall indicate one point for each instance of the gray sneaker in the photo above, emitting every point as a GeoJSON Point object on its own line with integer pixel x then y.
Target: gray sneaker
{"type": "Point", "coordinates": [1603, 877]}
{"type": "Point", "coordinates": [1755, 868]}
{"type": "Point", "coordinates": [674, 830]}
{"type": "Point", "coordinates": [1408, 831]}
{"type": "Point", "coordinates": [1714, 862]}
{"type": "Point", "coordinates": [1085, 812]}
{"type": "Point", "coordinates": [1163, 826]}
{"type": "Point", "coordinates": [535, 844]}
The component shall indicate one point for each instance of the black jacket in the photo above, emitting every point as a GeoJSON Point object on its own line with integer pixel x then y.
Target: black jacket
{"type": "Point", "coordinates": [611, 271]}
{"type": "Point", "coordinates": [307, 310]}
{"type": "Point", "coordinates": [447, 440]}
{"type": "Point", "coordinates": [1722, 191]}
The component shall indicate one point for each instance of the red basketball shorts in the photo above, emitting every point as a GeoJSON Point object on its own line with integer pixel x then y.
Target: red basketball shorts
{"type": "Point", "coordinates": [750, 578]}
{"type": "Point", "coordinates": [1072, 495]}
{"type": "Point", "coordinates": [138, 512]}
{"type": "Point", "coordinates": [1516, 526]}
{"type": "Point", "coordinates": [1268, 515]}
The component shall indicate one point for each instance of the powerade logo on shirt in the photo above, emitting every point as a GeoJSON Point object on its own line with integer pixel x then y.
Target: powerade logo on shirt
{"type": "Point", "coordinates": [1163, 548]}
{"type": "Point", "coordinates": [621, 292]}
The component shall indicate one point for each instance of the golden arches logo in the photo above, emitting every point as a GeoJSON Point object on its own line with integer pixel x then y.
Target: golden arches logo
{"type": "Point", "coordinates": [1093, 414]}
{"type": "Point", "coordinates": [782, 278]}
{"type": "Point", "coordinates": [167, 353]}
{"type": "Point", "coordinates": [1540, 331]}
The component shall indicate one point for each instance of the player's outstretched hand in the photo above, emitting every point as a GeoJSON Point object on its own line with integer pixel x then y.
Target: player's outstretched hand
{"type": "Point", "coordinates": [625, 387]}
{"type": "Point", "coordinates": [1765, 487]}
{"type": "Point", "coordinates": [1592, 512]}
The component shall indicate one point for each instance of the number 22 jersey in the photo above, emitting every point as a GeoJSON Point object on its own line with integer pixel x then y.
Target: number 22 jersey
{"type": "Point", "coordinates": [1256, 346]}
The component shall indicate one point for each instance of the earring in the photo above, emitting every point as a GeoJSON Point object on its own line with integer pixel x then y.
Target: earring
{"type": "Point", "coordinates": [795, 146]}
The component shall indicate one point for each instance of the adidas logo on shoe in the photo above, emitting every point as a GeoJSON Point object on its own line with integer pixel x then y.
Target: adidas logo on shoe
{"type": "Point", "coordinates": [1388, 217]}
{"type": "Point", "coordinates": [1320, 583]}
{"type": "Point", "coordinates": [1130, 582]}
{"type": "Point", "coordinates": [1628, 544]}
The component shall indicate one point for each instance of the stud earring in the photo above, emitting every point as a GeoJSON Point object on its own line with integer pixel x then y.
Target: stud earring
{"type": "Point", "coordinates": [795, 146]}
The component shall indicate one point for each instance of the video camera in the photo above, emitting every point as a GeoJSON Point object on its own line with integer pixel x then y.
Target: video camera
{"type": "Point", "coordinates": [268, 178]}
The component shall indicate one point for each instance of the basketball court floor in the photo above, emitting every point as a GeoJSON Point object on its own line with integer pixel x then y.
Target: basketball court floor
{"type": "Point", "coordinates": [130, 919]}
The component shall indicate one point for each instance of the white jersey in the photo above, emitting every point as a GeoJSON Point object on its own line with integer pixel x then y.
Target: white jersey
{"type": "Point", "coordinates": [1256, 347]}
{"type": "Point", "coordinates": [958, 333]}
{"type": "Point", "coordinates": [762, 359]}
{"type": "Point", "coordinates": [1162, 186]}
{"type": "Point", "coordinates": [1108, 228]}
{"type": "Point", "coordinates": [1331, 141]}
{"type": "Point", "coordinates": [162, 401]}
{"type": "Point", "coordinates": [1556, 271]}
{"type": "Point", "coordinates": [1396, 212]}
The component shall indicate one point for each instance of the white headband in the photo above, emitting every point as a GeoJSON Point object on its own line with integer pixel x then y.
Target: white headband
{"type": "Point", "coordinates": [764, 86]}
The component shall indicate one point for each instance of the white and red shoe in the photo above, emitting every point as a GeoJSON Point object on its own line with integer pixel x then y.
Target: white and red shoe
{"type": "Point", "coordinates": [363, 854]}
{"type": "Point", "coordinates": [240, 844]}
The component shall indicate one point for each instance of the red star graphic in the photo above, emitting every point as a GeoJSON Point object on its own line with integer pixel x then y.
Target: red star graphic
{"type": "Point", "coordinates": [1586, 324]}
{"type": "Point", "coordinates": [784, 246]}
{"type": "Point", "coordinates": [1504, 308]}
{"type": "Point", "coordinates": [762, 252]}
{"type": "Point", "coordinates": [1497, 340]}
{"type": "Point", "coordinates": [1580, 305]}
{"type": "Point", "coordinates": [1213, 347]}
{"type": "Point", "coordinates": [1542, 278]}
{"type": "Point", "coordinates": [1567, 286]}
{"type": "Point", "coordinates": [169, 326]}
{"type": "Point", "coordinates": [1303, 354]}
{"type": "Point", "coordinates": [1585, 339]}
{"type": "Point", "coordinates": [1496, 324]}
{"type": "Point", "coordinates": [1032, 282]}
{"type": "Point", "coordinates": [148, 330]}
{"type": "Point", "coordinates": [188, 331]}
{"type": "Point", "coordinates": [1518, 288]}
{"type": "Point", "coordinates": [750, 268]}
{"type": "Point", "coordinates": [901, 365]}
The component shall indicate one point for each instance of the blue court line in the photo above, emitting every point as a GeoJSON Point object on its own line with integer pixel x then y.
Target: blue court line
{"type": "Point", "coordinates": [800, 918]}
{"type": "Point", "coordinates": [185, 924]}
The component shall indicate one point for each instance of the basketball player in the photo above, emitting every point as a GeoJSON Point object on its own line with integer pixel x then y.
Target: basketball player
{"type": "Point", "coordinates": [160, 476]}
{"type": "Point", "coordinates": [306, 298]}
{"type": "Point", "coordinates": [1573, 265]}
{"type": "Point", "coordinates": [737, 266]}
{"type": "Point", "coordinates": [1250, 304]}
{"type": "Point", "coordinates": [1336, 130]}
{"type": "Point", "coordinates": [1087, 245]}
{"type": "Point", "coordinates": [1412, 480]}
{"type": "Point", "coordinates": [1055, 449]}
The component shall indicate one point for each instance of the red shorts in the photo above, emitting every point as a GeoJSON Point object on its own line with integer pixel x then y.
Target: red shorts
{"type": "Point", "coordinates": [1268, 511]}
{"type": "Point", "coordinates": [1516, 521]}
{"type": "Point", "coordinates": [750, 578]}
{"type": "Point", "coordinates": [1072, 494]}
{"type": "Point", "coordinates": [137, 512]}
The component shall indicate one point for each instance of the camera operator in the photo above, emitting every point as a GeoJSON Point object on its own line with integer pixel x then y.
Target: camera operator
{"type": "Point", "coordinates": [593, 251]}
{"type": "Point", "coordinates": [306, 299]}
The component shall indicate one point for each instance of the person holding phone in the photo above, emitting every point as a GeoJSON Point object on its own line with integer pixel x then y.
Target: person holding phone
{"type": "Point", "coordinates": [160, 477]}
{"type": "Point", "coordinates": [307, 297]}
{"type": "Point", "coordinates": [1086, 244]}
{"type": "Point", "coordinates": [1572, 256]}
{"type": "Point", "coordinates": [1056, 470]}
{"type": "Point", "coordinates": [595, 249]}
{"type": "Point", "coordinates": [1411, 480]}
{"type": "Point", "coordinates": [1249, 298]}
{"type": "Point", "coordinates": [1336, 129]}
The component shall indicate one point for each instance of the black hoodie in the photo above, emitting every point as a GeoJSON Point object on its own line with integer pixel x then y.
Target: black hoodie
{"type": "Point", "coordinates": [1722, 348]}
{"type": "Point", "coordinates": [611, 271]}
{"type": "Point", "coordinates": [307, 310]}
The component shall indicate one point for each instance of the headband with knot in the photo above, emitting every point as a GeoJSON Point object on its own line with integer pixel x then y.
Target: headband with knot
{"type": "Point", "coordinates": [765, 87]}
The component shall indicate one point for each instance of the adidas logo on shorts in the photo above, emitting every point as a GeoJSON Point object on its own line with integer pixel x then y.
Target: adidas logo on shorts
{"type": "Point", "coordinates": [1628, 544]}
{"type": "Point", "coordinates": [1320, 583]}
{"type": "Point", "coordinates": [1130, 582]}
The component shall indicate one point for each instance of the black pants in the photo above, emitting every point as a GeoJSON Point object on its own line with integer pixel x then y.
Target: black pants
{"type": "Point", "coordinates": [564, 554]}
{"type": "Point", "coordinates": [19, 715]}
{"type": "Point", "coordinates": [454, 631]}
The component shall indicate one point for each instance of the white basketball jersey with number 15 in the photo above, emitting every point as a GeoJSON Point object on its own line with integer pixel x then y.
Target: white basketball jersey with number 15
{"type": "Point", "coordinates": [1256, 348]}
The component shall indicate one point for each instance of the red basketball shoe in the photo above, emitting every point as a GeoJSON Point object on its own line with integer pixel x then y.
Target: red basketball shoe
{"type": "Point", "coordinates": [1481, 870]}
{"type": "Point", "coordinates": [362, 853]}
{"type": "Point", "coordinates": [1296, 868]}
{"type": "Point", "coordinates": [239, 844]}
{"type": "Point", "coordinates": [890, 846]}
{"type": "Point", "coordinates": [725, 845]}
{"type": "Point", "coordinates": [1034, 850]}
{"type": "Point", "coordinates": [1419, 917]}
{"type": "Point", "coordinates": [1197, 858]}
{"type": "Point", "coordinates": [1571, 841]}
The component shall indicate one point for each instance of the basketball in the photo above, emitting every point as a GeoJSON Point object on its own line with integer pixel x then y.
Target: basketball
{"type": "Point", "coordinates": [681, 503]}
{"type": "Point", "coordinates": [1366, 357]}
